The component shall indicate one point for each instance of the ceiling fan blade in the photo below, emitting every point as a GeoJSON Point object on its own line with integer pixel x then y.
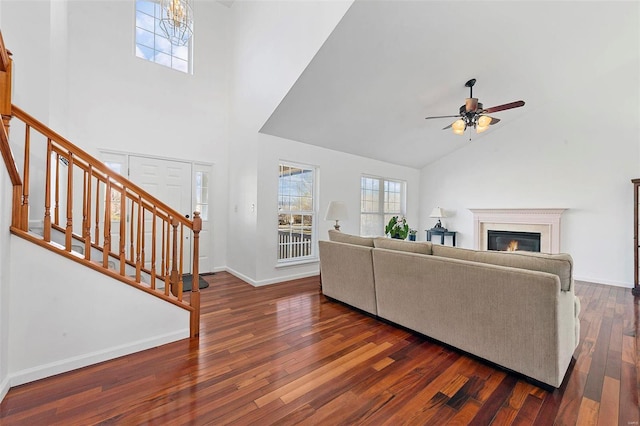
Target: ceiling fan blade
{"type": "Point", "coordinates": [494, 121]}
{"type": "Point", "coordinates": [448, 127]}
{"type": "Point", "coordinates": [515, 104]}
{"type": "Point", "coordinates": [442, 116]}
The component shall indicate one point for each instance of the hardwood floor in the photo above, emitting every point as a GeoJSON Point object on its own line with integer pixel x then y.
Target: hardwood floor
{"type": "Point", "coordinates": [284, 354]}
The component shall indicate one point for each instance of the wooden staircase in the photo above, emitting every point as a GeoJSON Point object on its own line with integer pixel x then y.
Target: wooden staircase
{"type": "Point", "coordinates": [90, 214]}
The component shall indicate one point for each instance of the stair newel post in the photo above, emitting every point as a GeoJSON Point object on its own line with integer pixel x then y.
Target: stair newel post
{"type": "Point", "coordinates": [123, 230]}
{"type": "Point", "coordinates": [195, 286]}
{"type": "Point", "coordinates": [47, 195]}
{"type": "Point", "coordinates": [174, 258]}
{"type": "Point", "coordinates": [24, 218]}
{"type": "Point", "coordinates": [69, 229]}
{"type": "Point", "coordinates": [87, 225]}
{"type": "Point", "coordinates": [106, 246]}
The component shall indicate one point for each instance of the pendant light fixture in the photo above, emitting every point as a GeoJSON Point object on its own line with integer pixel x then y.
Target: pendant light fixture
{"type": "Point", "coordinates": [176, 21]}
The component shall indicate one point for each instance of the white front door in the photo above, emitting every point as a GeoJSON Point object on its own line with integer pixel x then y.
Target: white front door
{"type": "Point", "coordinates": [170, 182]}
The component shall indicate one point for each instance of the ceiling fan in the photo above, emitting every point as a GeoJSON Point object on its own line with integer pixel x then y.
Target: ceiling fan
{"type": "Point", "coordinates": [472, 114]}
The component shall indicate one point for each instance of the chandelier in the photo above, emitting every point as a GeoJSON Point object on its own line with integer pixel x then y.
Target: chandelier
{"type": "Point", "coordinates": [176, 21]}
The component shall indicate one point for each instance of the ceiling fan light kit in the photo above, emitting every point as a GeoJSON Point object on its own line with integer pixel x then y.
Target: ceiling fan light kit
{"type": "Point", "coordinates": [473, 115]}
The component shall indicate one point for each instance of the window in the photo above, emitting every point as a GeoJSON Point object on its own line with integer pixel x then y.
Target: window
{"type": "Point", "coordinates": [380, 199]}
{"type": "Point", "coordinates": [296, 212]}
{"type": "Point", "coordinates": [202, 193]}
{"type": "Point", "coordinates": [153, 45]}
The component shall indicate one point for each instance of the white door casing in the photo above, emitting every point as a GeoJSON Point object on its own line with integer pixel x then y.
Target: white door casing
{"type": "Point", "coordinates": [170, 182]}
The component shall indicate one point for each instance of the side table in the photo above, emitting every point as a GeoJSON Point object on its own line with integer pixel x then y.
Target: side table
{"type": "Point", "coordinates": [443, 233]}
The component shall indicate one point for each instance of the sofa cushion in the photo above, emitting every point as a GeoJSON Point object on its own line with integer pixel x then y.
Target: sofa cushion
{"type": "Point", "coordinates": [557, 264]}
{"type": "Point", "coordinates": [422, 247]}
{"type": "Point", "coordinates": [339, 237]}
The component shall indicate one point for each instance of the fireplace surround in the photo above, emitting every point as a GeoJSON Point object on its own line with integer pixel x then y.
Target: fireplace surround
{"type": "Point", "coordinates": [543, 221]}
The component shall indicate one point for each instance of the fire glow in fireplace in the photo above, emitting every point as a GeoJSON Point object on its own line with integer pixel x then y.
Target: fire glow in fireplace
{"type": "Point", "coordinates": [513, 241]}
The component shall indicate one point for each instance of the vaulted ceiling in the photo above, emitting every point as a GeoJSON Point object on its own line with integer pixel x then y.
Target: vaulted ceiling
{"type": "Point", "coordinates": [389, 64]}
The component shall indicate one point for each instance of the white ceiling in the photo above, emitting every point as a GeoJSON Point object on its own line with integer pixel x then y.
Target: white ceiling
{"type": "Point", "coordinates": [389, 64]}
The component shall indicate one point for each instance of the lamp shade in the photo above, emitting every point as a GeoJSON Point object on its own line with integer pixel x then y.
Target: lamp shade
{"type": "Point", "coordinates": [437, 212]}
{"type": "Point", "coordinates": [337, 210]}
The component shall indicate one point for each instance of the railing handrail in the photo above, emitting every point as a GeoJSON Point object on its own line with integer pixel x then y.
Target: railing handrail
{"type": "Point", "coordinates": [4, 55]}
{"type": "Point", "coordinates": [9, 161]}
{"type": "Point", "coordinates": [96, 164]}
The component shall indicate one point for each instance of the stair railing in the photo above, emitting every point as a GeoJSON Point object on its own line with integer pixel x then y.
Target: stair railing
{"type": "Point", "coordinates": [93, 215]}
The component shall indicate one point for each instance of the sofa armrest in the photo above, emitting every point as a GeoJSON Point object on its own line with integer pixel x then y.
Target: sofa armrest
{"type": "Point", "coordinates": [347, 274]}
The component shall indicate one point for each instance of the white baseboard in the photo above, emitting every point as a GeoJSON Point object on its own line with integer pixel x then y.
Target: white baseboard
{"type": "Point", "coordinates": [62, 366]}
{"type": "Point", "coordinates": [285, 278]}
{"type": "Point", "coordinates": [269, 280]}
{"type": "Point", "coordinates": [241, 276]}
{"type": "Point", "coordinates": [4, 388]}
{"type": "Point", "coordinates": [605, 282]}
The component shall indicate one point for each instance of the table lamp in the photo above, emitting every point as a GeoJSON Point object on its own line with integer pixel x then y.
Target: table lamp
{"type": "Point", "coordinates": [438, 213]}
{"type": "Point", "coordinates": [337, 211]}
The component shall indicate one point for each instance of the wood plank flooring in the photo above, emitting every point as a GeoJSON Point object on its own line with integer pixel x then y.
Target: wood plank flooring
{"type": "Point", "coordinates": [284, 354]}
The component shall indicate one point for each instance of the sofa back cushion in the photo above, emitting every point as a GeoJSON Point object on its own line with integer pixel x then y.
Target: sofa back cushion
{"type": "Point", "coordinates": [339, 237]}
{"type": "Point", "coordinates": [422, 247]}
{"type": "Point", "coordinates": [558, 264]}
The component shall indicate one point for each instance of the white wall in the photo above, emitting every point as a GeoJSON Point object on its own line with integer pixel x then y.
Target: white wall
{"type": "Point", "coordinates": [76, 71]}
{"type": "Point", "coordinates": [580, 153]}
{"type": "Point", "coordinates": [339, 179]}
{"type": "Point", "coordinates": [57, 327]}
{"type": "Point", "coordinates": [272, 44]}
{"type": "Point", "coordinates": [5, 222]}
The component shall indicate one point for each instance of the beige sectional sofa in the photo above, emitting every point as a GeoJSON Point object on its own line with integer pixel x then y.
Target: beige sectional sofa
{"type": "Point", "coordinates": [515, 309]}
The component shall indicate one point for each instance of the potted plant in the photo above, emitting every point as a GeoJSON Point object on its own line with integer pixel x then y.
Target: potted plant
{"type": "Point", "coordinates": [412, 234]}
{"type": "Point", "coordinates": [397, 228]}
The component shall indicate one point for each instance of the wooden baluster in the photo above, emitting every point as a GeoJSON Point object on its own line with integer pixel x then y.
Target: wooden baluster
{"type": "Point", "coordinates": [97, 230]}
{"type": "Point", "coordinates": [87, 224]}
{"type": "Point", "coordinates": [166, 242]}
{"type": "Point", "coordinates": [195, 272]}
{"type": "Point", "coordinates": [69, 229]}
{"type": "Point", "coordinates": [131, 254]}
{"type": "Point", "coordinates": [56, 206]}
{"type": "Point", "coordinates": [143, 258]}
{"type": "Point", "coordinates": [106, 248]}
{"type": "Point", "coordinates": [174, 258]}
{"type": "Point", "coordinates": [123, 231]}
{"type": "Point", "coordinates": [153, 248]}
{"type": "Point", "coordinates": [24, 220]}
{"type": "Point", "coordinates": [180, 283]}
{"type": "Point", "coordinates": [47, 195]}
{"type": "Point", "coordinates": [84, 204]}
{"type": "Point", "coordinates": [138, 233]}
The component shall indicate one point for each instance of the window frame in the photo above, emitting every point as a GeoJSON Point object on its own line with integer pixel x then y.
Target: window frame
{"type": "Point", "coordinates": [139, 46]}
{"type": "Point", "coordinates": [313, 213]}
{"type": "Point", "coordinates": [381, 213]}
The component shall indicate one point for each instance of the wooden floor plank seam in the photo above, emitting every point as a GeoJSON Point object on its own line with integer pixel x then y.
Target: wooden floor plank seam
{"type": "Point", "coordinates": [285, 354]}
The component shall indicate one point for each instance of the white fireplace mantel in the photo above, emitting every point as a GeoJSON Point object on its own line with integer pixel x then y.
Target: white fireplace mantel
{"type": "Point", "coordinates": [545, 221]}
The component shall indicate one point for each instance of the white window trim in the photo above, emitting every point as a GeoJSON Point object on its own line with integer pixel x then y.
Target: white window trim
{"type": "Point", "coordinates": [190, 59]}
{"type": "Point", "coordinates": [382, 212]}
{"type": "Point", "coordinates": [313, 257]}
